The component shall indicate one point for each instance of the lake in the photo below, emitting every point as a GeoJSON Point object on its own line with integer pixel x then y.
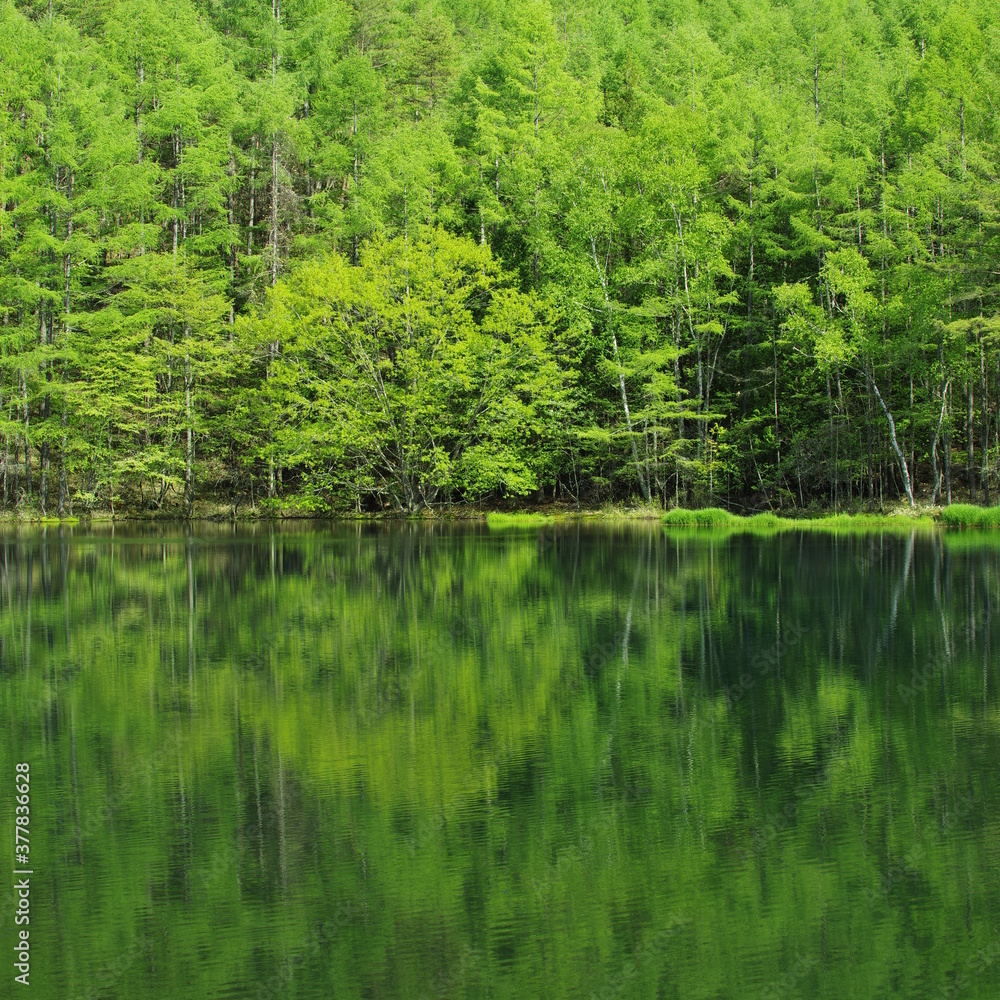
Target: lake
{"type": "Point", "coordinates": [436, 761]}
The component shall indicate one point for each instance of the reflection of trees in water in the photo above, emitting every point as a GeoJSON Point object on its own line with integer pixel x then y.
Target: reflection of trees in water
{"type": "Point", "coordinates": [521, 746]}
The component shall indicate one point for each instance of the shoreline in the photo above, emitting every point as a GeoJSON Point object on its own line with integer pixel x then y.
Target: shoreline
{"type": "Point", "coordinates": [899, 518]}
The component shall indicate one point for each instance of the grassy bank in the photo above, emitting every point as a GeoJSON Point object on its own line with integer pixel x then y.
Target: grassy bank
{"type": "Point", "coordinates": [967, 515]}
{"type": "Point", "coordinates": [715, 517]}
{"type": "Point", "coordinates": [955, 516]}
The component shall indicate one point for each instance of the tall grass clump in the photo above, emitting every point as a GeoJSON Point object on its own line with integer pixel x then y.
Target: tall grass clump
{"type": "Point", "coordinates": [967, 515]}
{"type": "Point", "coordinates": [709, 517]}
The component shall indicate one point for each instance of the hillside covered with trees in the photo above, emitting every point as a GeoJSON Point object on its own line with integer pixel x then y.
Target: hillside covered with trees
{"type": "Point", "coordinates": [384, 255]}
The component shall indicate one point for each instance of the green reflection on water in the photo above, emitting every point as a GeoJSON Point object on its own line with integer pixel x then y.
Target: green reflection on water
{"type": "Point", "coordinates": [443, 762]}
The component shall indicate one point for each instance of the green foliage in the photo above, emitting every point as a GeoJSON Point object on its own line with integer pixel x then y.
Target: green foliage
{"type": "Point", "coordinates": [589, 254]}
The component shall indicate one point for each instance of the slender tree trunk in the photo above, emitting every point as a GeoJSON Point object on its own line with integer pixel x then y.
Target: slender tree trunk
{"type": "Point", "coordinates": [829, 403]}
{"type": "Point", "coordinates": [274, 212]}
{"type": "Point", "coordinates": [621, 374]}
{"type": "Point", "coordinates": [745, 396]}
{"type": "Point", "coordinates": [934, 444]}
{"type": "Point", "coordinates": [680, 416]}
{"type": "Point", "coordinates": [176, 199]}
{"type": "Point", "coordinates": [913, 441]}
{"type": "Point", "coordinates": [43, 451]}
{"type": "Point", "coordinates": [63, 479]}
{"type": "Point", "coordinates": [27, 436]}
{"type": "Point", "coordinates": [777, 430]}
{"type": "Point", "coordinates": [947, 448]}
{"type": "Point", "coordinates": [970, 459]}
{"type": "Point", "coordinates": [231, 206]}
{"type": "Point", "coordinates": [985, 422]}
{"type": "Point", "coordinates": [253, 193]}
{"type": "Point", "coordinates": [357, 178]}
{"type": "Point", "coordinates": [6, 456]}
{"type": "Point", "coordinates": [189, 450]}
{"type": "Point", "coordinates": [901, 458]}
{"type": "Point", "coordinates": [63, 420]}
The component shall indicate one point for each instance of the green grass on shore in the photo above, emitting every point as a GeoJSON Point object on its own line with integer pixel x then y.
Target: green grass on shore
{"type": "Point", "coordinates": [955, 515]}
{"type": "Point", "coordinates": [718, 519]}
{"type": "Point", "coordinates": [967, 515]}
{"type": "Point", "coordinates": [706, 517]}
{"type": "Point", "coordinates": [961, 515]}
{"type": "Point", "coordinates": [766, 522]}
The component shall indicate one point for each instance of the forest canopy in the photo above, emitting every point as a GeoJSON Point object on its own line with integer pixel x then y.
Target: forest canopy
{"type": "Point", "coordinates": [385, 255]}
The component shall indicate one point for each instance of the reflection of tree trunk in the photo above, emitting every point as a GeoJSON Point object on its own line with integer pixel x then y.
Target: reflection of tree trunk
{"type": "Point", "coordinates": [260, 815]}
{"type": "Point", "coordinates": [184, 811]}
{"type": "Point", "coordinates": [900, 587]}
{"type": "Point", "coordinates": [282, 846]}
{"type": "Point", "coordinates": [76, 792]}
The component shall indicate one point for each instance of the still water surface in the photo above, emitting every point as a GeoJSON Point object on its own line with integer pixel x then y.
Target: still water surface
{"type": "Point", "coordinates": [445, 762]}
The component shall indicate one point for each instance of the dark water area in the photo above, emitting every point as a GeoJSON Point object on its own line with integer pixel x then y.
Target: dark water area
{"type": "Point", "coordinates": [443, 762]}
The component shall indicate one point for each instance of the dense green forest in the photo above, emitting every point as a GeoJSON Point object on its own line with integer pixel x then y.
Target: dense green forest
{"type": "Point", "coordinates": [385, 255]}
